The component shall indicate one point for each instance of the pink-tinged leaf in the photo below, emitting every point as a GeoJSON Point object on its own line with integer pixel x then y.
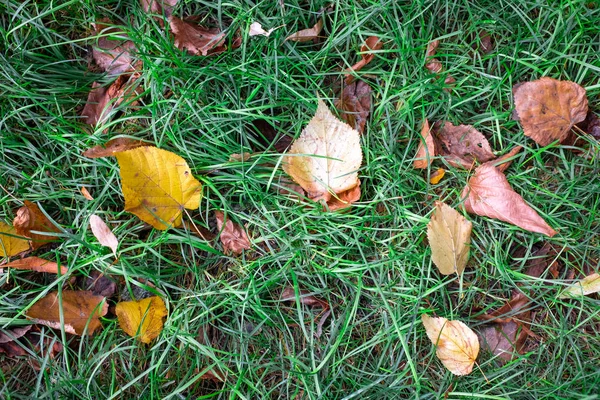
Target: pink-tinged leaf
{"type": "Point", "coordinates": [103, 233]}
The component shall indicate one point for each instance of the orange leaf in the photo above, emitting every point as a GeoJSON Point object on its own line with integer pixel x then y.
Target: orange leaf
{"type": "Point", "coordinates": [371, 44]}
{"type": "Point", "coordinates": [233, 236]}
{"type": "Point", "coordinates": [37, 264]}
{"type": "Point", "coordinates": [306, 35]}
{"type": "Point", "coordinates": [30, 218]}
{"type": "Point", "coordinates": [113, 147]}
{"type": "Point", "coordinates": [427, 149]}
{"type": "Point", "coordinates": [437, 176]}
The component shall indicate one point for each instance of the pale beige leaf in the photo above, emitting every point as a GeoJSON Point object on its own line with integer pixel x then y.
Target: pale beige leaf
{"type": "Point", "coordinates": [449, 235]}
{"type": "Point", "coordinates": [325, 159]}
{"type": "Point", "coordinates": [103, 233]}
{"type": "Point", "coordinates": [588, 285]}
{"type": "Point", "coordinates": [489, 194]}
{"type": "Point", "coordinates": [426, 150]}
{"type": "Point", "coordinates": [306, 35]}
{"type": "Point", "coordinates": [256, 29]}
{"type": "Point", "coordinates": [457, 345]}
{"type": "Point", "coordinates": [37, 264]}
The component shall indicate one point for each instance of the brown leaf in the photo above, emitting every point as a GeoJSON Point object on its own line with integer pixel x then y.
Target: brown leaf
{"type": "Point", "coordinates": [344, 199]}
{"type": "Point", "coordinates": [486, 45]}
{"type": "Point", "coordinates": [433, 64]}
{"type": "Point", "coordinates": [232, 236]}
{"type": "Point", "coordinates": [100, 285]}
{"type": "Point", "coordinates": [463, 145]}
{"type": "Point", "coordinates": [306, 35]}
{"type": "Point", "coordinates": [266, 134]}
{"type": "Point", "coordinates": [30, 218]}
{"type": "Point", "coordinates": [196, 39]}
{"type": "Point", "coordinates": [164, 7]}
{"type": "Point", "coordinates": [489, 194]}
{"type": "Point", "coordinates": [504, 339]}
{"type": "Point", "coordinates": [427, 148]}
{"type": "Point", "coordinates": [113, 147]}
{"type": "Point", "coordinates": [432, 48]}
{"type": "Point", "coordinates": [86, 193]}
{"type": "Point", "coordinates": [81, 311]}
{"type": "Point", "coordinates": [591, 125]}
{"type": "Point", "coordinates": [548, 108]}
{"type": "Point", "coordinates": [199, 231]}
{"type": "Point", "coordinates": [355, 105]}
{"type": "Point", "coordinates": [8, 341]}
{"type": "Point", "coordinates": [289, 294]}
{"type": "Point", "coordinates": [103, 233]}
{"type": "Point", "coordinates": [37, 264]}
{"type": "Point", "coordinates": [371, 44]}
{"type": "Point", "coordinates": [503, 162]}
{"type": "Point", "coordinates": [102, 100]}
{"type": "Point", "coordinates": [113, 50]}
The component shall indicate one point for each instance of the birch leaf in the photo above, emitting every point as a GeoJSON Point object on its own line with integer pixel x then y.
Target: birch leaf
{"type": "Point", "coordinates": [588, 285]}
{"type": "Point", "coordinates": [10, 242]}
{"type": "Point", "coordinates": [103, 233]}
{"type": "Point", "coordinates": [142, 319]}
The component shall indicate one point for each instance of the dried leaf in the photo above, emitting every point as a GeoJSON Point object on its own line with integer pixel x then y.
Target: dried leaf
{"type": "Point", "coordinates": [113, 50]}
{"type": "Point", "coordinates": [449, 235]}
{"type": "Point", "coordinates": [457, 344]}
{"type": "Point", "coordinates": [432, 48]}
{"type": "Point", "coordinates": [30, 218]}
{"type": "Point", "coordinates": [86, 193]}
{"type": "Point", "coordinates": [102, 100]}
{"type": "Point", "coordinates": [8, 340]}
{"type": "Point", "coordinates": [232, 236]}
{"type": "Point", "coordinates": [485, 42]}
{"type": "Point", "coordinates": [196, 39]}
{"type": "Point", "coordinates": [142, 319]}
{"type": "Point", "coordinates": [437, 176]}
{"type": "Point", "coordinates": [433, 64]}
{"type": "Point", "coordinates": [591, 125]}
{"type": "Point", "coordinates": [256, 29]}
{"type": "Point", "coordinates": [10, 242]}
{"type": "Point", "coordinates": [371, 44]}
{"type": "Point", "coordinates": [355, 105]}
{"type": "Point", "coordinates": [37, 264]}
{"type": "Point", "coordinates": [489, 194]}
{"type": "Point", "coordinates": [80, 309]}
{"type": "Point", "coordinates": [588, 285]}
{"type": "Point", "coordinates": [13, 334]}
{"type": "Point", "coordinates": [344, 199]}
{"type": "Point", "coordinates": [306, 35]}
{"type": "Point", "coordinates": [427, 148]}
{"type": "Point", "coordinates": [463, 145]}
{"type": "Point", "coordinates": [100, 285]}
{"type": "Point", "coordinates": [503, 339]}
{"type": "Point", "coordinates": [113, 147]}
{"type": "Point", "coordinates": [103, 233]}
{"type": "Point", "coordinates": [164, 7]}
{"type": "Point", "coordinates": [548, 108]}
{"type": "Point", "coordinates": [289, 294]}
{"type": "Point", "coordinates": [266, 134]}
{"type": "Point", "coordinates": [503, 162]}
{"type": "Point", "coordinates": [157, 186]}
{"type": "Point", "coordinates": [325, 159]}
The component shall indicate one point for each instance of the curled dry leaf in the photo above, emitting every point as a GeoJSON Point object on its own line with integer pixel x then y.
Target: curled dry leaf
{"type": "Point", "coordinates": [113, 147]}
{"type": "Point", "coordinates": [232, 236]}
{"type": "Point", "coordinates": [30, 218]}
{"type": "Point", "coordinates": [197, 39]}
{"type": "Point", "coordinates": [457, 345]}
{"type": "Point", "coordinates": [489, 194]}
{"type": "Point", "coordinates": [371, 44]}
{"type": "Point", "coordinates": [548, 108]}
{"type": "Point", "coordinates": [463, 145]}
{"type": "Point", "coordinates": [81, 311]}
{"type": "Point", "coordinates": [289, 294]}
{"type": "Point", "coordinates": [86, 193]}
{"type": "Point", "coordinates": [142, 319]}
{"type": "Point", "coordinates": [256, 29]}
{"type": "Point", "coordinates": [11, 243]}
{"type": "Point", "coordinates": [503, 162]}
{"type": "Point", "coordinates": [449, 235]}
{"type": "Point", "coordinates": [588, 285]}
{"type": "Point", "coordinates": [307, 35]}
{"type": "Point", "coordinates": [37, 264]}
{"type": "Point", "coordinates": [157, 186]}
{"type": "Point", "coordinates": [103, 233]}
{"type": "Point", "coordinates": [355, 105]}
{"type": "Point", "coordinates": [427, 148]}
{"type": "Point", "coordinates": [437, 176]}
{"type": "Point", "coordinates": [102, 100]}
{"type": "Point", "coordinates": [325, 159]}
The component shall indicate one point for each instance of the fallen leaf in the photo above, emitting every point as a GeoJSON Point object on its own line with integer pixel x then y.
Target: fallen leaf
{"type": "Point", "coordinates": [371, 44]}
{"type": "Point", "coordinates": [427, 148]}
{"type": "Point", "coordinates": [164, 7]}
{"type": "Point", "coordinates": [157, 186]}
{"type": "Point", "coordinates": [463, 145]}
{"type": "Point", "coordinates": [325, 159]}
{"type": "Point", "coordinates": [8, 339]}
{"type": "Point", "coordinates": [81, 311]}
{"type": "Point", "coordinates": [306, 35]}
{"type": "Point", "coordinates": [591, 125]}
{"type": "Point", "coordinates": [10, 242]}
{"type": "Point", "coordinates": [113, 52]}
{"type": "Point", "coordinates": [548, 108]}
{"type": "Point", "coordinates": [457, 345]}
{"type": "Point", "coordinates": [266, 134]}
{"type": "Point", "coordinates": [37, 264]}
{"type": "Point", "coordinates": [344, 199]}
{"type": "Point", "coordinates": [103, 233]}
{"type": "Point", "coordinates": [355, 105]}
{"type": "Point", "coordinates": [485, 42]}
{"type": "Point", "coordinates": [588, 285]}
{"type": "Point", "coordinates": [102, 100]}
{"type": "Point", "coordinates": [437, 176]}
{"type": "Point", "coordinates": [503, 162]}
{"type": "Point", "coordinates": [232, 235]}
{"type": "Point", "coordinates": [433, 64]}
{"type": "Point", "coordinates": [241, 157]}
{"type": "Point", "coordinates": [432, 48]}
{"type": "Point", "coordinates": [256, 29]}
{"type": "Point", "coordinates": [30, 218]}
{"type": "Point", "coordinates": [196, 39]}
{"type": "Point", "coordinates": [100, 285]}
{"type": "Point", "coordinates": [199, 231]}
{"type": "Point", "coordinates": [503, 339]}
{"type": "Point", "coordinates": [489, 194]}
{"type": "Point", "coordinates": [142, 319]}
{"type": "Point", "coordinates": [86, 193]}
{"type": "Point", "coordinates": [449, 235]}
{"type": "Point", "coordinates": [113, 147]}
{"type": "Point", "coordinates": [289, 294]}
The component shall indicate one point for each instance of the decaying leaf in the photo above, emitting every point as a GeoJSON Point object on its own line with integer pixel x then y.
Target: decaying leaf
{"type": "Point", "coordinates": [11, 243]}
{"type": "Point", "coordinates": [197, 39]}
{"type": "Point", "coordinates": [256, 29]}
{"type": "Point", "coordinates": [267, 136]}
{"type": "Point", "coordinates": [26, 341]}
{"type": "Point", "coordinates": [503, 339]}
{"type": "Point", "coordinates": [457, 345]}
{"type": "Point", "coordinates": [8, 339]}
{"type": "Point", "coordinates": [588, 285]}
{"type": "Point", "coordinates": [489, 194]}
{"type": "Point", "coordinates": [157, 186]}
{"type": "Point", "coordinates": [81, 311]}
{"type": "Point", "coordinates": [463, 145]}
{"type": "Point", "coordinates": [504, 161]}
{"type": "Point", "coordinates": [371, 44]}
{"type": "Point", "coordinates": [548, 108]}
{"type": "Point", "coordinates": [433, 64]}
{"type": "Point", "coordinates": [344, 199]}
{"type": "Point", "coordinates": [289, 294]}
{"type": "Point", "coordinates": [427, 148]}
{"type": "Point", "coordinates": [437, 176]}
{"type": "Point", "coordinates": [325, 159]}
{"type": "Point", "coordinates": [142, 319]}
{"type": "Point", "coordinates": [100, 285]}
{"type": "Point", "coordinates": [37, 264]}
{"type": "Point", "coordinates": [591, 125]}
{"type": "Point", "coordinates": [86, 193]}
{"type": "Point", "coordinates": [355, 105]}
{"type": "Point", "coordinates": [103, 233]}
{"type": "Point", "coordinates": [113, 147]}
{"type": "Point", "coordinates": [30, 218]}
{"type": "Point", "coordinates": [232, 235]}
{"type": "Point", "coordinates": [306, 35]}
{"type": "Point", "coordinates": [486, 45]}
{"type": "Point", "coordinates": [449, 235]}
{"type": "Point", "coordinates": [102, 100]}
{"type": "Point", "coordinates": [164, 7]}
{"type": "Point", "coordinates": [113, 51]}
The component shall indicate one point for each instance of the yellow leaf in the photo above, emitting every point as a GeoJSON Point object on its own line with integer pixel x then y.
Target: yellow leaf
{"type": "Point", "coordinates": [588, 285]}
{"type": "Point", "coordinates": [449, 235]}
{"type": "Point", "coordinates": [10, 242]}
{"type": "Point", "coordinates": [437, 176]}
{"type": "Point", "coordinates": [157, 186]}
{"type": "Point", "coordinates": [325, 159]}
{"type": "Point", "coordinates": [457, 345]}
{"type": "Point", "coordinates": [142, 319]}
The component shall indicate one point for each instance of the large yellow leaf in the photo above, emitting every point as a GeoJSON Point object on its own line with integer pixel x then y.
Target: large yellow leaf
{"type": "Point", "coordinates": [157, 186]}
{"type": "Point", "coordinates": [588, 285]}
{"type": "Point", "coordinates": [142, 319]}
{"type": "Point", "coordinates": [10, 242]}
{"type": "Point", "coordinates": [457, 345]}
{"type": "Point", "coordinates": [325, 159]}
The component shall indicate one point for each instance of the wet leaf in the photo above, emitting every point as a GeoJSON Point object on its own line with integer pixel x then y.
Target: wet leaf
{"type": "Point", "coordinates": [37, 264]}
{"type": "Point", "coordinates": [463, 145]}
{"type": "Point", "coordinates": [449, 235]}
{"type": "Point", "coordinates": [197, 39]}
{"type": "Point", "coordinates": [457, 345]}
{"type": "Point", "coordinates": [489, 194]}
{"type": "Point", "coordinates": [427, 148]}
{"type": "Point", "coordinates": [325, 159]}
{"type": "Point", "coordinates": [232, 235]}
{"type": "Point", "coordinates": [11, 243]}
{"type": "Point", "coordinates": [142, 319]}
{"type": "Point", "coordinates": [256, 29]}
{"type": "Point", "coordinates": [588, 285]}
{"type": "Point", "coordinates": [371, 45]}
{"type": "Point", "coordinates": [548, 108]}
{"type": "Point", "coordinates": [355, 105]}
{"type": "Point", "coordinates": [113, 147]}
{"type": "Point", "coordinates": [80, 309]}
{"type": "Point", "coordinates": [103, 233]}
{"type": "Point", "coordinates": [307, 35]}
{"type": "Point", "coordinates": [30, 218]}
{"type": "Point", "coordinates": [102, 100]}
{"type": "Point", "coordinates": [437, 176]}
{"type": "Point", "coordinates": [157, 186]}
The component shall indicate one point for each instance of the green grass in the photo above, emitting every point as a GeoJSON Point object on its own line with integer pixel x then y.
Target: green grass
{"type": "Point", "coordinates": [371, 263]}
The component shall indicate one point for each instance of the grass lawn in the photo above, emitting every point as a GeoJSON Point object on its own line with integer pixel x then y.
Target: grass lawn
{"type": "Point", "coordinates": [371, 263]}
